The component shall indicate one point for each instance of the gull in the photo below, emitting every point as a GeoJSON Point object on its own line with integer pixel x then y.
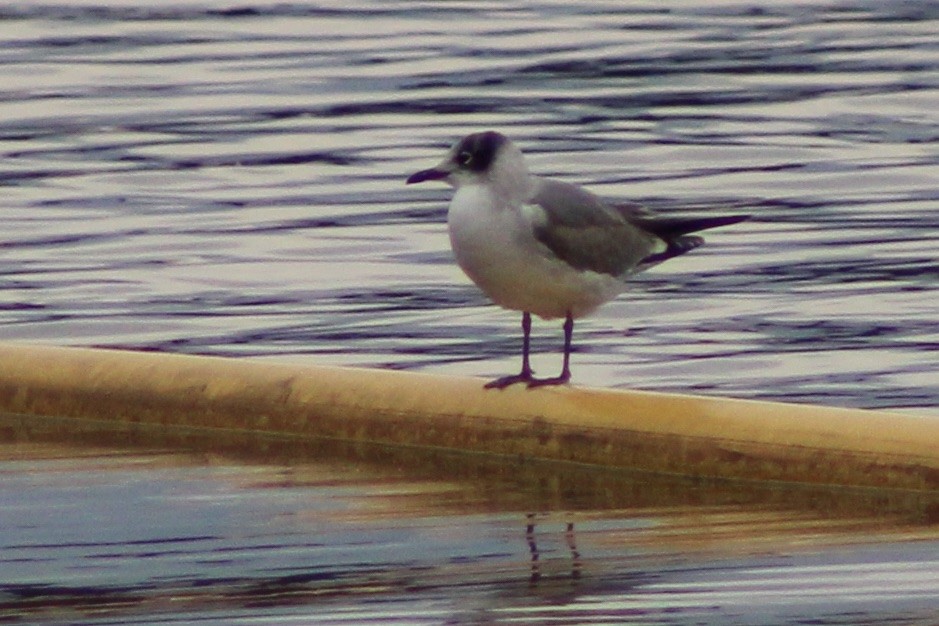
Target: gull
{"type": "Point", "coordinates": [547, 247]}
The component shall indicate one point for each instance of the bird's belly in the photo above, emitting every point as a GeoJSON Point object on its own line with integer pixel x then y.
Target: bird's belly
{"type": "Point", "coordinates": [497, 250]}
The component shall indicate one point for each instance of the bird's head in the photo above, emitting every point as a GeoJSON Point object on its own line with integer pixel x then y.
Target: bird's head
{"type": "Point", "coordinates": [481, 158]}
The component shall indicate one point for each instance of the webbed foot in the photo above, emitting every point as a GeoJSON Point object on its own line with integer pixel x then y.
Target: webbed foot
{"type": "Point", "coordinates": [506, 381]}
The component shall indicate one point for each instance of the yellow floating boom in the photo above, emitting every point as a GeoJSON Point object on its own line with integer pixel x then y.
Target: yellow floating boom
{"type": "Point", "coordinates": [681, 434]}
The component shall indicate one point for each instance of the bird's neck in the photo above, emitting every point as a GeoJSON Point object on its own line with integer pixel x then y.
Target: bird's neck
{"type": "Point", "coordinates": [513, 185]}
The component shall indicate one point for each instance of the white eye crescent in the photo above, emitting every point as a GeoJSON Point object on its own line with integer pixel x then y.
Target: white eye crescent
{"type": "Point", "coordinates": [464, 158]}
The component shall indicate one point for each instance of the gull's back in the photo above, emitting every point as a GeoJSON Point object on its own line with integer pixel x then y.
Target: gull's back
{"type": "Point", "coordinates": [589, 234]}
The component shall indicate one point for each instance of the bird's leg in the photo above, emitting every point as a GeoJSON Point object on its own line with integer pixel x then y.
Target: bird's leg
{"type": "Point", "coordinates": [525, 376]}
{"type": "Point", "coordinates": [566, 369]}
{"type": "Point", "coordinates": [526, 346]}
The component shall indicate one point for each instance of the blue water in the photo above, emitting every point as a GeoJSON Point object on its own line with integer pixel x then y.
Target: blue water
{"type": "Point", "coordinates": [229, 179]}
{"type": "Point", "coordinates": [175, 540]}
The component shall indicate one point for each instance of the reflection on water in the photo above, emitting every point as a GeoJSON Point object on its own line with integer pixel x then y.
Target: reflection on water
{"type": "Point", "coordinates": [100, 535]}
{"type": "Point", "coordinates": [229, 180]}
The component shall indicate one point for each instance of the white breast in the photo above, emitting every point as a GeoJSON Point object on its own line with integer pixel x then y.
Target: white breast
{"type": "Point", "coordinates": [494, 244]}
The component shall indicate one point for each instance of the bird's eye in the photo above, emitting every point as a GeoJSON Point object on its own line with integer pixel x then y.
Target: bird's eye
{"type": "Point", "coordinates": [464, 158]}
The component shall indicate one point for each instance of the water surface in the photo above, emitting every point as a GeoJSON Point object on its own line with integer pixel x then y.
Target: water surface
{"type": "Point", "coordinates": [212, 178]}
{"type": "Point", "coordinates": [98, 535]}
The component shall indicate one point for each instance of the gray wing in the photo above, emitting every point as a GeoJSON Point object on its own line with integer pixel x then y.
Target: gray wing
{"type": "Point", "coordinates": [589, 234]}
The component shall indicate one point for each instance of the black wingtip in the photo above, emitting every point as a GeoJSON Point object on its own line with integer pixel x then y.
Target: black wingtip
{"type": "Point", "coordinates": [670, 228]}
{"type": "Point", "coordinates": [727, 220]}
{"type": "Point", "coordinates": [675, 234]}
{"type": "Point", "coordinates": [676, 247]}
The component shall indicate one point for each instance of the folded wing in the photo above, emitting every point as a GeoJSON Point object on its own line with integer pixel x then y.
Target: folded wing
{"type": "Point", "coordinates": [592, 235]}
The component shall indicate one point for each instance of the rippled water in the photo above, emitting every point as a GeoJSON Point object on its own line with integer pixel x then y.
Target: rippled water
{"type": "Point", "coordinates": [228, 178]}
{"type": "Point", "coordinates": [108, 537]}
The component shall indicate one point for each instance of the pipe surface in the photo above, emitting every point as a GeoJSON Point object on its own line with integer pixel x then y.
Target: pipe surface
{"type": "Point", "coordinates": [661, 432]}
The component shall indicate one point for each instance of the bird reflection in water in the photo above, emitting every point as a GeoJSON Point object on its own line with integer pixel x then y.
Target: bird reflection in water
{"type": "Point", "coordinates": [569, 537]}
